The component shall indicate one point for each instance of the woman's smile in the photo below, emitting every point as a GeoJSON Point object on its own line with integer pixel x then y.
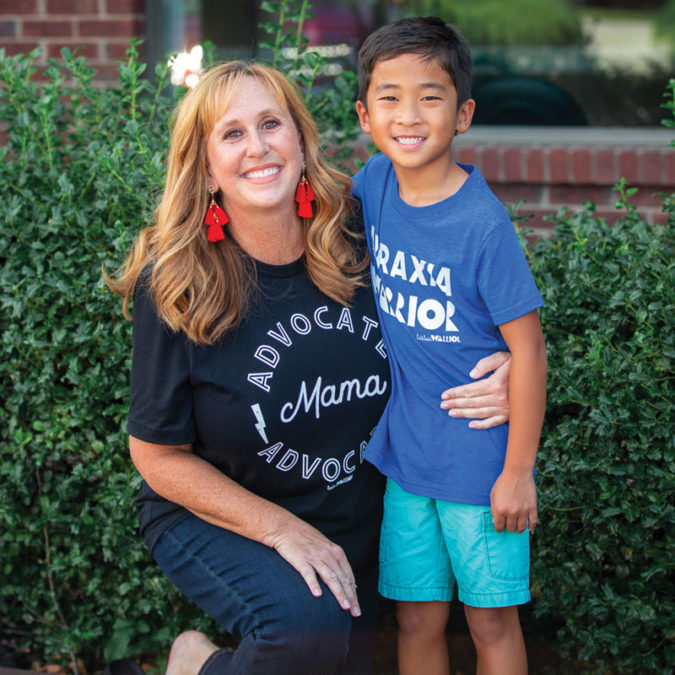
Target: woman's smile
{"type": "Point", "coordinates": [265, 172]}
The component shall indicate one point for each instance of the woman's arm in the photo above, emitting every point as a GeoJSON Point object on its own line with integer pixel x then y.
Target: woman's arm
{"type": "Point", "coordinates": [177, 474]}
{"type": "Point", "coordinates": [485, 401]}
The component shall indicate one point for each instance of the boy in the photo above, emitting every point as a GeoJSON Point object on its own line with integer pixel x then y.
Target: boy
{"type": "Point", "coordinates": [452, 284]}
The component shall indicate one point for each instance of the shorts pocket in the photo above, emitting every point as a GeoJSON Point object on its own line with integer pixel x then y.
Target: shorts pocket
{"type": "Point", "coordinates": [507, 553]}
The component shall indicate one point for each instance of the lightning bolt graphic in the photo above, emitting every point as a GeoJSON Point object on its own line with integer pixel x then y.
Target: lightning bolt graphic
{"type": "Point", "coordinates": [260, 426]}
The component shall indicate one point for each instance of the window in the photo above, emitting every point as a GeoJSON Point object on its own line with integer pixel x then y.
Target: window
{"type": "Point", "coordinates": [536, 62]}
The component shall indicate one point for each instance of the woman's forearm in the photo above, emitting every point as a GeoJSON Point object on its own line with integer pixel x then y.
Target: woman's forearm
{"type": "Point", "coordinates": [180, 476]}
{"type": "Point", "coordinates": [177, 474]}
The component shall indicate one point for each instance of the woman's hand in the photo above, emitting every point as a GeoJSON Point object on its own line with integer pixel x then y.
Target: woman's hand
{"type": "Point", "coordinates": [487, 400]}
{"type": "Point", "coordinates": [182, 477]}
{"type": "Point", "coordinates": [312, 554]}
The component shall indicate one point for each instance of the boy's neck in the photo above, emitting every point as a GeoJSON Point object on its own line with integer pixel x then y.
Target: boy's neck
{"type": "Point", "coordinates": [430, 185]}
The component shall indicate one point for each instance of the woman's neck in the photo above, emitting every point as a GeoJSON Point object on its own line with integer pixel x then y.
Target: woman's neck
{"type": "Point", "coordinates": [276, 239]}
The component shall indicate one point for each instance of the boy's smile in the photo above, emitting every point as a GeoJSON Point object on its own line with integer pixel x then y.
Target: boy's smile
{"type": "Point", "coordinates": [412, 117]}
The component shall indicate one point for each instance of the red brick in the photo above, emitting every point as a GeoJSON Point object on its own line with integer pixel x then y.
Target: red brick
{"type": "Point", "coordinates": [488, 163]}
{"type": "Point", "coordinates": [467, 155]}
{"type": "Point", "coordinates": [654, 217]}
{"type": "Point", "coordinates": [18, 6]}
{"type": "Point", "coordinates": [72, 7]}
{"type": "Point", "coordinates": [605, 167]}
{"type": "Point", "coordinates": [511, 193]}
{"type": "Point", "coordinates": [534, 166]}
{"type": "Point", "coordinates": [669, 166]}
{"type": "Point", "coordinates": [111, 28]}
{"type": "Point", "coordinates": [541, 227]}
{"type": "Point", "coordinates": [11, 49]}
{"type": "Point", "coordinates": [650, 167]}
{"type": "Point", "coordinates": [558, 165]}
{"type": "Point", "coordinates": [609, 213]}
{"type": "Point", "coordinates": [90, 50]}
{"type": "Point", "coordinates": [573, 195]}
{"type": "Point", "coordinates": [42, 29]}
{"type": "Point", "coordinates": [7, 28]}
{"type": "Point", "coordinates": [361, 152]}
{"type": "Point", "coordinates": [125, 6]}
{"type": "Point", "coordinates": [581, 166]}
{"type": "Point", "coordinates": [512, 161]}
{"type": "Point", "coordinates": [106, 72]}
{"type": "Point", "coordinates": [116, 50]}
{"type": "Point", "coordinates": [628, 166]}
{"type": "Point", "coordinates": [647, 196]}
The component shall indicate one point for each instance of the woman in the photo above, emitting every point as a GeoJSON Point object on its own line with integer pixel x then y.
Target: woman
{"type": "Point", "coordinates": [258, 374]}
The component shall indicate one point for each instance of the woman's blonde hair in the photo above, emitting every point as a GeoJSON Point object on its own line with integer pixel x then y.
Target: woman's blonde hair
{"type": "Point", "coordinates": [205, 289]}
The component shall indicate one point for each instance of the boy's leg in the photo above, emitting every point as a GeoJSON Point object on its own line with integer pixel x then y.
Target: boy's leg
{"type": "Point", "coordinates": [498, 639]}
{"type": "Point", "coordinates": [415, 571]}
{"type": "Point", "coordinates": [492, 572]}
{"type": "Point", "coordinates": [422, 646]}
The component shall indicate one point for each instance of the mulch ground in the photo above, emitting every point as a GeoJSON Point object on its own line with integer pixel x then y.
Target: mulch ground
{"type": "Point", "coordinates": [543, 657]}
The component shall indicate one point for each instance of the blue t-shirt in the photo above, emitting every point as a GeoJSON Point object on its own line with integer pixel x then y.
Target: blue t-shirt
{"type": "Point", "coordinates": [444, 276]}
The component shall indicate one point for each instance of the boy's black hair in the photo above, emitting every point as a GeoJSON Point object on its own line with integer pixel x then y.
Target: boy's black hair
{"type": "Point", "coordinates": [428, 36]}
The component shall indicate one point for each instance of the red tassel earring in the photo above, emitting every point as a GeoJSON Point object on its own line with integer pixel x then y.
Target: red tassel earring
{"type": "Point", "coordinates": [304, 195]}
{"type": "Point", "coordinates": [215, 219]}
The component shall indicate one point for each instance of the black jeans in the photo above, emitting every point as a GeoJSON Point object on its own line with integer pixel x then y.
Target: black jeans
{"type": "Point", "coordinates": [252, 592]}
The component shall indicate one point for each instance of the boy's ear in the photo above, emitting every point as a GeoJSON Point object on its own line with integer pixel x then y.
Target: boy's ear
{"type": "Point", "coordinates": [465, 115]}
{"type": "Point", "coordinates": [362, 112]}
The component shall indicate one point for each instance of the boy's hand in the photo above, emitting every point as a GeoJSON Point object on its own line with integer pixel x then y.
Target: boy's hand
{"type": "Point", "coordinates": [513, 502]}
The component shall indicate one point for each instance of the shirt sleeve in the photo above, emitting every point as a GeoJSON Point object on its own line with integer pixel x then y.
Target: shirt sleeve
{"type": "Point", "coordinates": [505, 282]}
{"type": "Point", "coordinates": [160, 408]}
{"type": "Point", "coordinates": [357, 183]}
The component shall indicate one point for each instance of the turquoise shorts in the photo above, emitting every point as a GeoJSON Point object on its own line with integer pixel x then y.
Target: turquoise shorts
{"type": "Point", "coordinates": [427, 544]}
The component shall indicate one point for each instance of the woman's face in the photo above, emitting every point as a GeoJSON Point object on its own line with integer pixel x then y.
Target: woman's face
{"type": "Point", "coordinates": [254, 153]}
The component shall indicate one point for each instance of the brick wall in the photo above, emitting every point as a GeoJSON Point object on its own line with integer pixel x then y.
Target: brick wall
{"type": "Point", "coordinates": [551, 173]}
{"type": "Point", "coordinates": [552, 167]}
{"type": "Point", "coordinates": [101, 27]}
{"type": "Point", "coordinates": [548, 168]}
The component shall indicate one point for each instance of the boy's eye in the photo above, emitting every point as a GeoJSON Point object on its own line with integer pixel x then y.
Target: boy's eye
{"type": "Point", "coordinates": [387, 98]}
{"type": "Point", "coordinates": [431, 97]}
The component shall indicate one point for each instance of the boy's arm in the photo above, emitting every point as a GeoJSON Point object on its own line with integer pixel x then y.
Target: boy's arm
{"type": "Point", "coordinates": [513, 498]}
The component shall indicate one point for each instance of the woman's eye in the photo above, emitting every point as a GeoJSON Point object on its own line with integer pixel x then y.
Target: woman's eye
{"type": "Point", "coordinates": [231, 134]}
{"type": "Point", "coordinates": [270, 124]}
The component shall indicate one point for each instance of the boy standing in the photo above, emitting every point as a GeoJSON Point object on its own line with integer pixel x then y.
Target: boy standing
{"type": "Point", "coordinates": [452, 285]}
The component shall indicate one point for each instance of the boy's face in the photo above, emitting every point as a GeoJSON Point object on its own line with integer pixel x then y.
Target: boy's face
{"type": "Point", "coordinates": [412, 113]}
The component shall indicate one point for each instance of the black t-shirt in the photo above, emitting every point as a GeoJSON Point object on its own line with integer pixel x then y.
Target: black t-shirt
{"type": "Point", "coordinates": [284, 406]}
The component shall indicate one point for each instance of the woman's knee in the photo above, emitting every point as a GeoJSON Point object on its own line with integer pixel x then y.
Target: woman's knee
{"type": "Point", "coordinates": [309, 630]}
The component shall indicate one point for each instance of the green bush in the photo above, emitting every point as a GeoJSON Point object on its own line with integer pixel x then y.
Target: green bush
{"type": "Point", "coordinates": [602, 560]}
{"type": "Point", "coordinates": [665, 23]}
{"type": "Point", "coordinates": [80, 172]}
{"type": "Point", "coordinates": [330, 100]}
